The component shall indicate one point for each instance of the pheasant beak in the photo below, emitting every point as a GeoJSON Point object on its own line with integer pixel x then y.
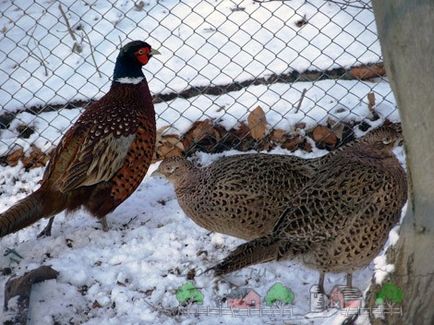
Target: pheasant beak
{"type": "Point", "coordinates": [154, 52]}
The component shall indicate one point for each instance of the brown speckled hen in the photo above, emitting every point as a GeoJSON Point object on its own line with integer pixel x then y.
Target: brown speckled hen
{"type": "Point", "coordinates": [340, 220]}
{"type": "Point", "coordinates": [103, 157]}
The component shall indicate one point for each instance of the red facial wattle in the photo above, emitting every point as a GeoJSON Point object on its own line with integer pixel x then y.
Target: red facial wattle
{"type": "Point", "coordinates": [142, 55]}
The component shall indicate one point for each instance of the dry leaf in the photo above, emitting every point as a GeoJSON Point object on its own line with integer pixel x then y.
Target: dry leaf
{"type": "Point", "coordinates": [339, 128]}
{"type": "Point", "coordinates": [96, 304]}
{"type": "Point", "coordinates": [300, 125]}
{"type": "Point", "coordinates": [167, 146]}
{"type": "Point", "coordinates": [241, 132]}
{"type": "Point", "coordinates": [257, 123]}
{"type": "Point", "coordinates": [293, 142]}
{"type": "Point", "coordinates": [306, 146]}
{"type": "Point", "coordinates": [368, 71]}
{"type": "Point", "coordinates": [14, 157]}
{"type": "Point", "coordinates": [36, 158]}
{"type": "Point", "coordinates": [203, 134]}
{"type": "Point", "coordinates": [323, 136]}
{"type": "Point", "coordinates": [239, 138]}
{"type": "Point", "coordinates": [278, 135]}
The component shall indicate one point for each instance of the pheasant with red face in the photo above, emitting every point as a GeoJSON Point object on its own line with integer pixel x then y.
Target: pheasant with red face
{"type": "Point", "coordinates": [103, 157]}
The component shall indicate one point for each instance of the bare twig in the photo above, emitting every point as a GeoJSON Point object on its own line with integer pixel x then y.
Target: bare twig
{"type": "Point", "coordinates": [42, 62]}
{"type": "Point", "coordinates": [76, 47]}
{"type": "Point", "coordinates": [91, 53]}
{"type": "Point", "coordinates": [301, 100]}
{"type": "Point", "coordinates": [32, 54]}
{"type": "Point", "coordinates": [42, 59]}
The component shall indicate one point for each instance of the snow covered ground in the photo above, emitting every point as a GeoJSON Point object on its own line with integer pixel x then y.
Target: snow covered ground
{"type": "Point", "coordinates": [202, 43]}
{"type": "Point", "coordinates": [130, 274]}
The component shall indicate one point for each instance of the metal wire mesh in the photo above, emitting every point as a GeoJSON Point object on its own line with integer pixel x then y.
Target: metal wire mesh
{"type": "Point", "coordinates": [305, 63]}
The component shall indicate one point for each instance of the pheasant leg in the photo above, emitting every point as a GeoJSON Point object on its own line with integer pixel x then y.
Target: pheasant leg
{"type": "Point", "coordinates": [46, 232]}
{"type": "Point", "coordinates": [349, 280]}
{"type": "Point", "coordinates": [104, 224]}
{"type": "Point", "coordinates": [321, 282]}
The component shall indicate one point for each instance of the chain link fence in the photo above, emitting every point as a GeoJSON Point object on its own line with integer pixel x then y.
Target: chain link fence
{"type": "Point", "coordinates": [245, 74]}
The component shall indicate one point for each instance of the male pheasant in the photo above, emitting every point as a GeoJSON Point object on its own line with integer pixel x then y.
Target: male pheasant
{"type": "Point", "coordinates": [341, 218]}
{"type": "Point", "coordinates": [104, 156]}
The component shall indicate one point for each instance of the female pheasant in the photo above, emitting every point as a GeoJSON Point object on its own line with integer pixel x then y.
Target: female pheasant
{"type": "Point", "coordinates": [104, 156]}
{"type": "Point", "coordinates": [241, 195]}
{"type": "Point", "coordinates": [244, 195]}
{"type": "Point", "coordinates": [340, 220]}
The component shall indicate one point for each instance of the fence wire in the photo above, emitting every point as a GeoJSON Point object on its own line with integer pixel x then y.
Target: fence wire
{"type": "Point", "coordinates": [303, 63]}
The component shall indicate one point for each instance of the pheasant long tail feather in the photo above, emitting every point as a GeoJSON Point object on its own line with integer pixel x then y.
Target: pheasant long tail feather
{"type": "Point", "coordinates": [22, 214]}
{"type": "Point", "coordinates": [260, 250]}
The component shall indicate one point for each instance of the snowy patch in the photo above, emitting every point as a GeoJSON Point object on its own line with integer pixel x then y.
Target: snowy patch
{"type": "Point", "coordinates": [131, 273]}
{"type": "Point", "coordinates": [394, 236]}
{"type": "Point", "coordinates": [382, 268]}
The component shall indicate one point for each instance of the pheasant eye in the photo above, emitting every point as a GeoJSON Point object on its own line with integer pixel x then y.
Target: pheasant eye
{"type": "Point", "coordinates": [141, 52]}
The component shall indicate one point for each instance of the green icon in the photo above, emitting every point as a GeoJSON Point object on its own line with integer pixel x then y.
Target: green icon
{"type": "Point", "coordinates": [189, 294]}
{"type": "Point", "coordinates": [279, 294]}
{"type": "Point", "coordinates": [389, 293]}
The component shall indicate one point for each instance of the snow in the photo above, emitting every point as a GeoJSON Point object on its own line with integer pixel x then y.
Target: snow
{"type": "Point", "coordinates": [130, 273]}
{"type": "Point", "coordinates": [382, 268]}
{"type": "Point", "coordinates": [394, 236]}
{"type": "Point", "coordinates": [202, 42]}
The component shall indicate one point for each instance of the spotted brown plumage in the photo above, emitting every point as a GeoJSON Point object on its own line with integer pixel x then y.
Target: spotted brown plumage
{"type": "Point", "coordinates": [104, 156]}
{"type": "Point", "coordinates": [340, 220]}
{"type": "Point", "coordinates": [239, 195]}
{"type": "Point", "coordinates": [242, 195]}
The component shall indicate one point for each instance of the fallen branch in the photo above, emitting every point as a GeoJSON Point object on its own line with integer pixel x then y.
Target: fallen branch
{"type": "Point", "coordinates": [21, 287]}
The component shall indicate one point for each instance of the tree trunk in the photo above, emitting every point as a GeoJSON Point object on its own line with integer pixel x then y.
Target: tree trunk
{"type": "Point", "coordinates": [406, 32]}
